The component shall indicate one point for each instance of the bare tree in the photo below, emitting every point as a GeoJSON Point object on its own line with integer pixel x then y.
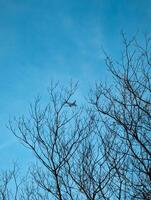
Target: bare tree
{"type": "Point", "coordinates": [101, 150]}
{"type": "Point", "coordinates": [13, 186]}
{"type": "Point", "coordinates": [54, 133]}
{"type": "Point", "coordinates": [125, 112]}
{"type": "Point", "coordinates": [9, 184]}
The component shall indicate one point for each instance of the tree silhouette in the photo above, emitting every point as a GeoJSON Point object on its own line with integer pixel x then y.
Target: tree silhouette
{"type": "Point", "coordinates": [100, 150]}
{"type": "Point", "coordinates": [125, 109]}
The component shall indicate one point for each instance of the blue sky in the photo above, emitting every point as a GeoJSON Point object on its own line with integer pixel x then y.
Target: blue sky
{"type": "Point", "coordinates": [61, 40]}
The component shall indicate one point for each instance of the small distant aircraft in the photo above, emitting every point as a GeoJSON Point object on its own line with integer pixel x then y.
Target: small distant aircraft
{"type": "Point", "coordinates": [71, 104]}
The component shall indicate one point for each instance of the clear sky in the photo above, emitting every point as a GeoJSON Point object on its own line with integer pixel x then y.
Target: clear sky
{"type": "Point", "coordinates": [42, 40]}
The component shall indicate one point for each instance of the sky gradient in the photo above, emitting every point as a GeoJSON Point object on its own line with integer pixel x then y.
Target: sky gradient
{"type": "Point", "coordinates": [61, 40]}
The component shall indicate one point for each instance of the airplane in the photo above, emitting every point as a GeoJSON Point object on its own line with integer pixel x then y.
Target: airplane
{"type": "Point", "coordinates": [71, 104]}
